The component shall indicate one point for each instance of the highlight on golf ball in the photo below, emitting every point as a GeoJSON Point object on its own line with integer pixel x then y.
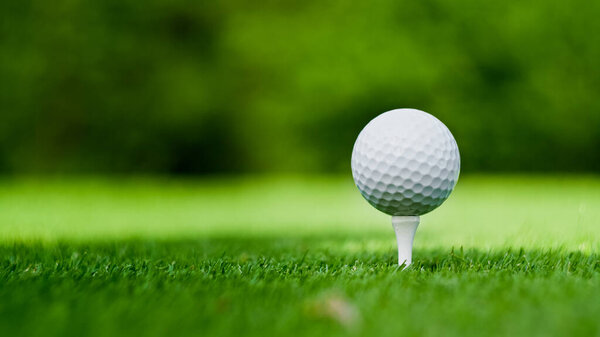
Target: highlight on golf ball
{"type": "Point", "coordinates": [405, 163]}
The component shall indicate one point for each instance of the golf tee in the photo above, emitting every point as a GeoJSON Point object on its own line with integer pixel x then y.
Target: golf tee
{"type": "Point", "coordinates": [405, 228]}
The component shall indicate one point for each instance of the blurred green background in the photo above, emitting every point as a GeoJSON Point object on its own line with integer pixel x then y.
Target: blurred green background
{"type": "Point", "coordinates": [182, 87]}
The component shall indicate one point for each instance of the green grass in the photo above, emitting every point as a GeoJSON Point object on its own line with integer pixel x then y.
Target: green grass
{"type": "Point", "coordinates": [259, 256]}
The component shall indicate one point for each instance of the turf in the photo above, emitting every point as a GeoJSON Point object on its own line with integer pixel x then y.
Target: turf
{"type": "Point", "coordinates": [259, 256]}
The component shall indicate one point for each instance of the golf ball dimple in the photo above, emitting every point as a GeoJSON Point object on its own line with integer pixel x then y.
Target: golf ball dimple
{"type": "Point", "coordinates": [405, 162]}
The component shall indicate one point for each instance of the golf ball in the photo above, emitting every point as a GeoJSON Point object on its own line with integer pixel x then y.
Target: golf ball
{"type": "Point", "coordinates": [405, 162]}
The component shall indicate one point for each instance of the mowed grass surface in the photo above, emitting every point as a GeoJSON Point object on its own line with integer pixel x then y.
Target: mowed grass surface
{"type": "Point", "coordinates": [260, 256]}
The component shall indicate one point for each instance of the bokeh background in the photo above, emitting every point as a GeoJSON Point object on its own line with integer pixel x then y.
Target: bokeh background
{"type": "Point", "coordinates": [212, 87]}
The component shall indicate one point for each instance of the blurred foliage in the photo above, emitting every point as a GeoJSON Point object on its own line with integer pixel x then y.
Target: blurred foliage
{"type": "Point", "coordinates": [239, 86]}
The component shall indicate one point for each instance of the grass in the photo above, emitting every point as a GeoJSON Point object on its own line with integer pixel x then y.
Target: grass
{"type": "Point", "coordinates": [301, 256]}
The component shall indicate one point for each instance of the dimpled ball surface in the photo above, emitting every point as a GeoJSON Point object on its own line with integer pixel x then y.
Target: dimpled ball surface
{"type": "Point", "coordinates": [405, 162]}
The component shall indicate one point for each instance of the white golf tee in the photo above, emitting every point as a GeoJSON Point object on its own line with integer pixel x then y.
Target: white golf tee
{"type": "Point", "coordinates": [405, 228]}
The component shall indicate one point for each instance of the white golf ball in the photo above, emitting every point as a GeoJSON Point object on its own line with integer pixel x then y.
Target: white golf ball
{"type": "Point", "coordinates": [405, 162]}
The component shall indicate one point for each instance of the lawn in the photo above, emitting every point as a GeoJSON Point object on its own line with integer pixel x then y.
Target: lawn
{"type": "Point", "coordinates": [289, 255]}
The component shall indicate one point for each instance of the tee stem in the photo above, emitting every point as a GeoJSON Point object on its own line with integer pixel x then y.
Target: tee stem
{"type": "Point", "coordinates": [405, 228]}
